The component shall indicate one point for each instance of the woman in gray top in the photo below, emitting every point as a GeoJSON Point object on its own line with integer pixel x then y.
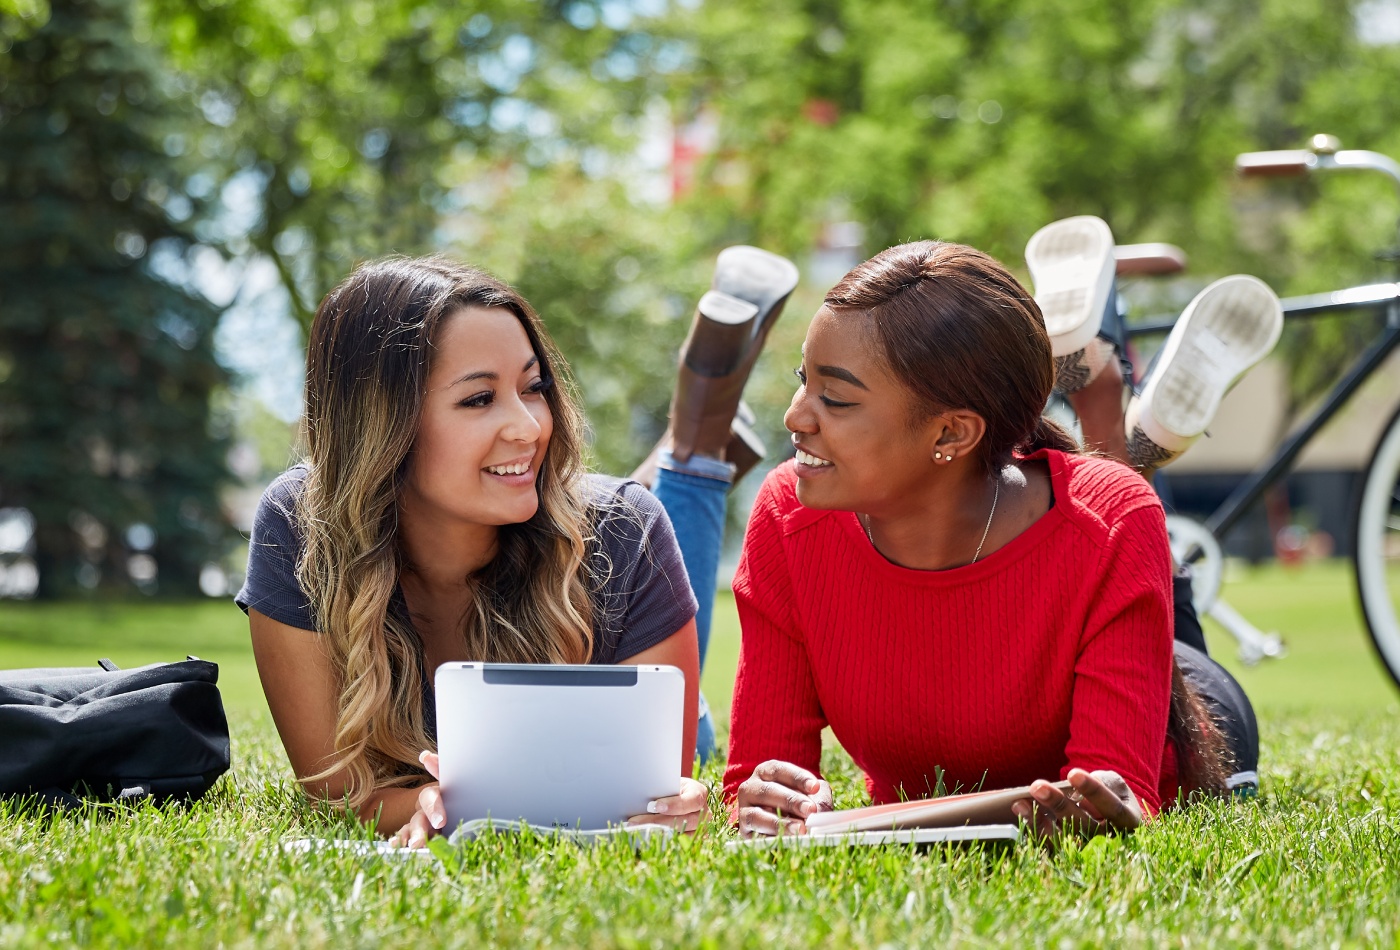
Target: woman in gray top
{"type": "Point", "coordinates": [443, 514]}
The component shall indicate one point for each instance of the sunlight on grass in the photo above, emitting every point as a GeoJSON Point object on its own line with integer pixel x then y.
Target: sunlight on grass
{"type": "Point", "coordinates": [1331, 664]}
{"type": "Point", "coordinates": [1315, 860]}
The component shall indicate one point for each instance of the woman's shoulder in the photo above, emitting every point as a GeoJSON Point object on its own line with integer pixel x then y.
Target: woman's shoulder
{"type": "Point", "coordinates": [1099, 492]}
{"type": "Point", "coordinates": [285, 490]}
{"type": "Point", "coordinates": [609, 497]}
{"type": "Point", "coordinates": [275, 521]}
{"type": "Point", "coordinates": [626, 517]}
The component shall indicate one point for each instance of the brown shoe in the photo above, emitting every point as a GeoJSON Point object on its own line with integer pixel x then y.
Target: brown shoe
{"type": "Point", "coordinates": [731, 324]}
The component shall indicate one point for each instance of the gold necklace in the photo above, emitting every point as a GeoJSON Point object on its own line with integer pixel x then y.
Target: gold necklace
{"type": "Point", "coordinates": [996, 496]}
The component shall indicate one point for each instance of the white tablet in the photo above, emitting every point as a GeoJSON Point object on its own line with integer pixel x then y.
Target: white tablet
{"type": "Point", "coordinates": [571, 746]}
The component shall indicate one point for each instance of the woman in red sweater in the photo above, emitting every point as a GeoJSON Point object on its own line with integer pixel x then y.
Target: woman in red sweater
{"type": "Point", "coordinates": [938, 577]}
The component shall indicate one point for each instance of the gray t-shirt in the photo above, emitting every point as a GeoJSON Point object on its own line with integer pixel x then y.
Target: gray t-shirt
{"type": "Point", "coordinates": [641, 594]}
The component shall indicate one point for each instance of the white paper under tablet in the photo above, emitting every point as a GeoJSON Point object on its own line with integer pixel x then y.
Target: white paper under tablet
{"type": "Point", "coordinates": [356, 847]}
{"type": "Point", "coordinates": [921, 837]}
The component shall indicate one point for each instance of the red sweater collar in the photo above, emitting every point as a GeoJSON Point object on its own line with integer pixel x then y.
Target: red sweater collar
{"type": "Point", "coordinates": [995, 562]}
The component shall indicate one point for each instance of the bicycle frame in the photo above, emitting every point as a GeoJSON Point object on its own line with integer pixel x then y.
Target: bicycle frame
{"type": "Point", "coordinates": [1371, 297]}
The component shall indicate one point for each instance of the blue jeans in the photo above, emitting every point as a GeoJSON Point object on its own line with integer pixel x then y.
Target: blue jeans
{"type": "Point", "coordinates": [694, 494]}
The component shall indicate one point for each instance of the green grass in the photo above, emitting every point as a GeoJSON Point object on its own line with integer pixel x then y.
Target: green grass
{"type": "Point", "coordinates": [1331, 665]}
{"type": "Point", "coordinates": [1315, 860]}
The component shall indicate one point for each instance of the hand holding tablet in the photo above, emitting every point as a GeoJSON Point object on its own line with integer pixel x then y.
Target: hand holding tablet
{"type": "Point", "coordinates": [681, 812]}
{"type": "Point", "coordinates": [555, 746]}
{"type": "Point", "coordinates": [431, 816]}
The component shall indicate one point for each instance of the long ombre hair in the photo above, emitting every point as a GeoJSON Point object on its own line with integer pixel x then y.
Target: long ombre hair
{"type": "Point", "coordinates": [959, 331]}
{"type": "Point", "coordinates": [368, 360]}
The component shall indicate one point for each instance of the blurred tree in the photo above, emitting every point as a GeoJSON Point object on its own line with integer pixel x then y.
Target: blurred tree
{"type": "Point", "coordinates": [508, 134]}
{"type": "Point", "coordinates": [982, 121]}
{"type": "Point", "coordinates": [24, 15]}
{"type": "Point", "coordinates": [345, 115]}
{"type": "Point", "coordinates": [106, 363]}
{"type": "Point", "coordinates": [504, 136]}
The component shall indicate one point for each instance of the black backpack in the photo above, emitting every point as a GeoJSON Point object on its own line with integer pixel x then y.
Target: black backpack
{"type": "Point", "coordinates": [107, 733]}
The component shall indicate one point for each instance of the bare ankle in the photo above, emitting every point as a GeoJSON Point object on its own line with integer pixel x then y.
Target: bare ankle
{"type": "Point", "coordinates": [1100, 407]}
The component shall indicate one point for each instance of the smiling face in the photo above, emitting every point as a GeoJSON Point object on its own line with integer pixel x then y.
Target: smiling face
{"type": "Point", "coordinates": [861, 443]}
{"type": "Point", "coordinates": [485, 424]}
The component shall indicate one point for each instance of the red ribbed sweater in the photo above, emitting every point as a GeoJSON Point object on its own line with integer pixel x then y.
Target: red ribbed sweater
{"type": "Point", "coordinates": [1052, 651]}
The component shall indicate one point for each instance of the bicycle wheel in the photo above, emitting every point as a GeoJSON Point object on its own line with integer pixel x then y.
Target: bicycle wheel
{"type": "Point", "coordinates": [1376, 536]}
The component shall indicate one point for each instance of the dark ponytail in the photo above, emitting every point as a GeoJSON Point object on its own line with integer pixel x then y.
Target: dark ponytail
{"type": "Point", "coordinates": [960, 331]}
{"type": "Point", "coordinates": [1203, 758]}
{"type": "Point", "coordinates": [1049, 434]}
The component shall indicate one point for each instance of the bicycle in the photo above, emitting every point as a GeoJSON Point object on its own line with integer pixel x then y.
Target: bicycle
{"type": "Point", "coordinates": [1375, 550]}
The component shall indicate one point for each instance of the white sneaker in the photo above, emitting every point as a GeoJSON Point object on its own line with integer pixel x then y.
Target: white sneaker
{"type": "Point", "coordinates": [1227, 328]}
{"type": "Point", "coordinates": [1071, 263]}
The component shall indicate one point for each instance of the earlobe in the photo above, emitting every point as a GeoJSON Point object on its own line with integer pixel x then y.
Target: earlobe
{"type": "Point", "coordinates": [944, 438]}
{"type": "Point", "coordinates": [960, 432]}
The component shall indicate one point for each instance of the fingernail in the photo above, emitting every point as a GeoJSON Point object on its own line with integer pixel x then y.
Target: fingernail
{"type": "Point", "coordinates": [656, 808]}
{"type": "Point", "coordinates": [1041, 794]}
{"type": "Point", "coordinates": [438, 819]}
{"type": "Point", "coordinates": [806, 808]}
{"type": "Point", "coordinates": [814, 786]}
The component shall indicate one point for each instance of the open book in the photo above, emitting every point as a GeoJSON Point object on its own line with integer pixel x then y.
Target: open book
{"type": "Point", "coordinates": [950, 811]}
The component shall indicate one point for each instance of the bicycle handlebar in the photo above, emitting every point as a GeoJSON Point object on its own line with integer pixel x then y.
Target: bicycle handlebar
{"type": "Point", "coordinates": [1293, 161]}
{"type": "Point", "coordinates": [1361, 160]}
{"type": "Point", "coordinates": [1323, 156]}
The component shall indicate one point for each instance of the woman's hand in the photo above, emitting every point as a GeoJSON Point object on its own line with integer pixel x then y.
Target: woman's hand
{"type": "Point", "coordinates": [1097, 802]}
{"type": "Point", "coordinates": [778, 798]}
{"type": "Point", "coordinates": [683, 811]}
{"type": "Point", "coordinates": [431, 815]}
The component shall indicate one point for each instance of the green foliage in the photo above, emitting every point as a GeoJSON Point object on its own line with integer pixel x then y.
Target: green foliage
{"type": "Point", "coordinates": [20, 16]}
{"type": "Point", "coordinates": [106, 367]}
{"type": "Point", "coordinates": [393, 127]}
{"type": "Point", "coordinates": [509, 137]}
{"type": "Point", "coordinates": [981, 122]}
{"type": "Point", "coordinates": [508, 134]}
{"type": "Point", "coordinates": [334, 115]}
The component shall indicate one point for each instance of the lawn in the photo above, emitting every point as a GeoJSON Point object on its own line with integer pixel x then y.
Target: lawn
{"type": "Point", "coordinates": [1315, 860]}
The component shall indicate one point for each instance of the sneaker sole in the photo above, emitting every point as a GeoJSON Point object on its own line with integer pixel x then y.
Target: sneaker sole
{"type": "Point", "coordinates": [1228, 328]}
{"type": "Point", "coordinates": [1071, 264]}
